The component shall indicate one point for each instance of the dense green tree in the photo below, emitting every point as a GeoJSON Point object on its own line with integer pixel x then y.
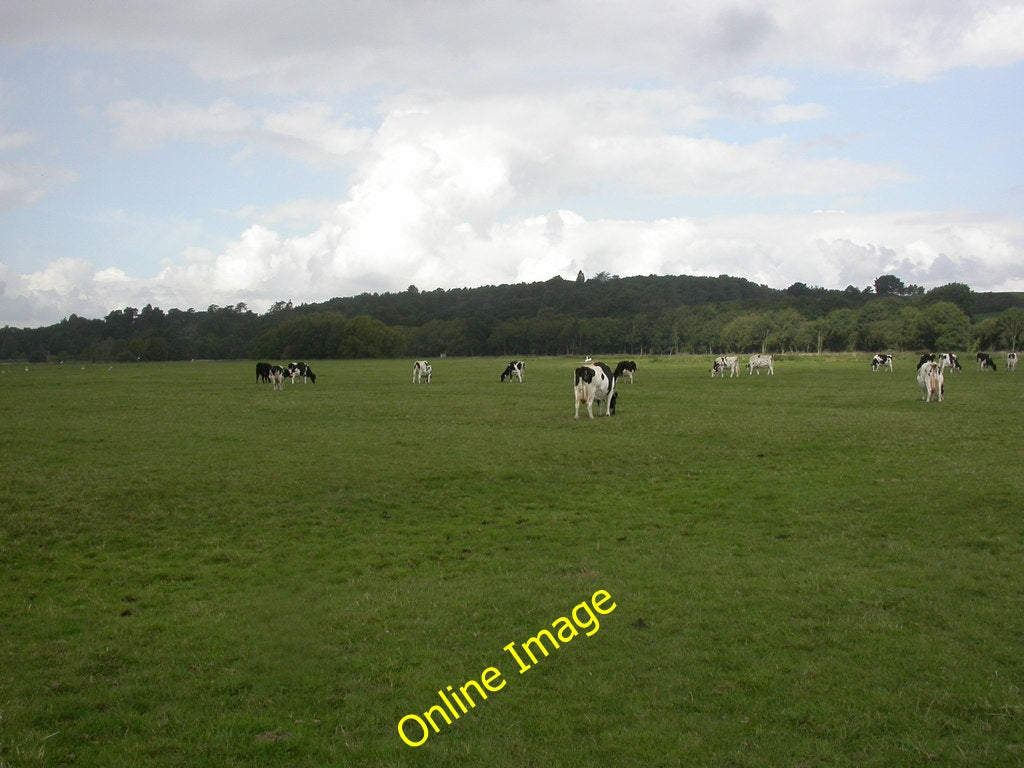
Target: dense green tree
{"type": "Point", "coordinates": [943, 326]}
{"type": "Point", "coordinates": [1011, 326]}
{"type": "Point", "coordinates": [840, 330]}
{"type": "Point", "coordinates": [605, 315]}
{"type": "Point", "coordinates": [956, 293]}
{"type": "Point", "coordinates": [889, 285]}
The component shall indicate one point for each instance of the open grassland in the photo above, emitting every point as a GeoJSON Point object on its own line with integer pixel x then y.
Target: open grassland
{"type": "Point", "coordinates": [814, 568]}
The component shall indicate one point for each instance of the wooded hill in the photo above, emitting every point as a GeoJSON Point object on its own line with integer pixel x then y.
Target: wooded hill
{"type": "Point", "coordinates": [601, 315]}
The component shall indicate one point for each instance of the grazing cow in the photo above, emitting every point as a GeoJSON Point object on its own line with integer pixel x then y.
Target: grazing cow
{"type": "Point", "coordinates": [277, 374]}
{"type": "Point", "coordinates": [1011, 361]}
{"type": "Point", "coordinates": [949, 360]}
{"type": "Point", "coordinates": [295, 370]}
{"type": "Point", "coordinates": [625, 368]}
{"type": "Point", "coordinates": [759, 362]}
{"type": "Point", "coordinates": [594, 382]}
{"type": "Point", "coordinates": [925, 358]}
{"type": "Point", "coordinates": [514, 371]}
{"type": "Point", "coordinates": [985, 361]}
{"type": "Point", "coordinates": [929, 377]}
{"type": "Point", "coordinates": [263, 373]}
{"type": "Point", "coordinates": [723, 364]}
{"type": "Point", "coordinates": [881, 361]}
{"type": "Point", "coordinates": [421, 370]}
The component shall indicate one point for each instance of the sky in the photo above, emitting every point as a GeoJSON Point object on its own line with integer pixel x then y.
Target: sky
{"type": "Point", "coordinates": [231, 152]}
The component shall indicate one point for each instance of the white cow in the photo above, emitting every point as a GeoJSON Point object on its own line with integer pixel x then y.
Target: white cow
{"type": "Point", "coordinates": [594, 382]}
{"type": "Point", "coordinates": [881, 361]}
{"type": "Point", "coordinates": [723, 364]}
{"type": "Point", "coordinates": [1011, 361]}
{"type": "Point", "coordinates": [929, 378]}
{"type": "Point", "coordinates": [421, 370]}
{"type": "Point", "coordinates": [761, 361]}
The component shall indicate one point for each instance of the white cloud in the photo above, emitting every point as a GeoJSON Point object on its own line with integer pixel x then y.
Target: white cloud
{"type": "Point", "coordinates": [23, 184]}
{"type": "Point", "coordinates": [142, 125]}
{"type": "Point", "coordinates": [449, 143]}
{"type": "Point", "coordinates": [12, 141]}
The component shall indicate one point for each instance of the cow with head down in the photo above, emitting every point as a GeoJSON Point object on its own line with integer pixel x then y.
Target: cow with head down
{"type": "Point", "coordinates": [592, 383]}
{"type": "Point", "coordinates": [881, 360]}
{"type": "Point", "coordinates": [514, 371]}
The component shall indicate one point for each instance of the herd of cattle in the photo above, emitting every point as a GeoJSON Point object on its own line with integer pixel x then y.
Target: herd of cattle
{"type": "Point", "coordinates": [931, 371]}
{"type": "Point", "coordinates": [595, 382]}
{"type": "Point", "coordinates": [732, 364]}
{"type": "Point", "coordinates": [276, 374]}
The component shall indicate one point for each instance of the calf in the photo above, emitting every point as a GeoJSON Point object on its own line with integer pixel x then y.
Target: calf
{"type": "Point", "coordinates": [723, 364]}
{"type": "Point", "coordinates": [881, 361]}
{"type": "Point", "coordinates": [514, 370]}
{"type": "Point", "coordinates": [263, 373]}
{"type": "Point", "coordinates": [949, 360]}
{"type": "Point", "coordinates": [625, 368]}
{"type": "Point", "coordinates": [1011, 361]}
{"type": "Point", "coordinates": [929, 377]}
{"type": "Point", "coordinates": [594, 382]}
{"type": "Point", "coordinates": [421, 370]}
{"type": "Point", "coordinates": [985, 361]}
{"type": "Point", "coordinates": [759, 362]}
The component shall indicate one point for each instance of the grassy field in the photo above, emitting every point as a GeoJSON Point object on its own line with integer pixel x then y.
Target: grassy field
{"type": "Point", "coordinates": [810, 569]}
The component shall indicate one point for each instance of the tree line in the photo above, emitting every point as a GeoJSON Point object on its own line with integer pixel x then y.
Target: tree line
{"type": "Point", "coordinates": [604, 314]}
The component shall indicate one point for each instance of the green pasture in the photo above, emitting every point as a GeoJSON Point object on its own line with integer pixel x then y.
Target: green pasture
{"type": "Point", "coordinates": [810, 569]}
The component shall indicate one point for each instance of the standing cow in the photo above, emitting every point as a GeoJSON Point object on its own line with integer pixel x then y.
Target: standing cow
{"type": "Point", "coordinates": [421, 371]}
{"type": "Point", "coordinates": [949, 360]}
{"type": "Point", "coordinates": [625, 368]}
{"type": "Point", "coordinates": [723, 364]}
{"type": "Point", "coordinates": [277, 375]}
{"type": "Point", "coordinates": [930, 379]}
{"type": "Point", "coordinates": [295, 370]}
{"type": "Point", "coordinates": [985, 361]}
{"type": "Point", "coordinates": [514, 371]}
{"type": "Point", "coordinates": [757, 362]}
{"type": "Point", "coordinates": [263, 373]}
{"type": "Point", "coordinates": [881, 361]}
{"type": "Point", "coordinates": [594, 382]}
{"type": "Point", "coordinates": [1011, 361]}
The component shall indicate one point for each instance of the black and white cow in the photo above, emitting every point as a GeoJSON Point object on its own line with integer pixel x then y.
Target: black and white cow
{"type": "Point", "coordinates": [594, 382]}
{"type": "Point", "coordinates": [985, 361]}
{"type": "Point", "coordinates": [722, 364]}
{"type": "Point", "coordinates": [925, 358]}
{"type": "Point", "coordinates": [277, 376]}
{"type": "Point", "coordinates": [1011, 361]}
{"type": "Point", "coordinates": [930, 379]}
{"type": "Point", "coordinates": [881, 361]}
{"type": "Point", "coordinates": [625, 368]}
{"type": "Point", "coordinates": [949, 360]}
{"type": "Point", "coordinates": [295, 370]}
{"type": "Point", "coordinates": [761, 361]}
{"type": "Point", "coordinates": [514, 371]}
{"type": "Point", "coordinates": [263, 373]}
{"type": "Point", "coordinates": [421, 371]}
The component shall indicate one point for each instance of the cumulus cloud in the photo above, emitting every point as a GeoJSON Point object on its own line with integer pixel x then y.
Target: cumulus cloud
{"type": "Point", "coordinates": [460, 144]}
